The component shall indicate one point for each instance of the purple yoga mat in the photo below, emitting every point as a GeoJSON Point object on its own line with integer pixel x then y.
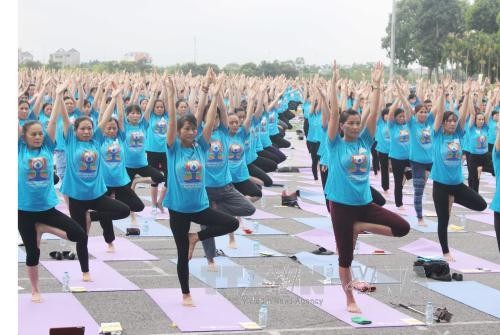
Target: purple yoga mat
{"type": "Point", "coordinates": [104, 277]}
{"type": "Point", "coordinates": [488, 233]}
{"type": "Point", "coordinates": [124, 250]}
{"type": "Point", "coordinates": [313, 208]}
{"type": "Point", "coordinates": [484, 218]}
{"type": "Point", "coordinates": [55, 311]}
{"type": "Point", "coordinates": [63, 208]}
{"type": "Point", "coordinates": [148, 214]}
{"type": "Point", "coordinates": [464, 263]}
{"type": "Point", "coordinates": [266, 192]}
{"type": "Point", "coordinates": [315, 189]}
{"type": "Point", "coordinates": [332, 300]}
{"type": "Point", "coordinates": [310, 182]}
{"type": "Point", "coordinates": [213, 312]}
{"type": "Point", "coordinates": [260, 215]}
{"type": "Point", "coordinates": [327, 240]}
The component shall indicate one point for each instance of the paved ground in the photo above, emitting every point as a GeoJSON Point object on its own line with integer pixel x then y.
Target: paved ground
{"type": "Point", "coordinates": [139, 315]}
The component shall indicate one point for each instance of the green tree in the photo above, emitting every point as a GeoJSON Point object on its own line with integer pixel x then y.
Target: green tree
{"type": "Point", "coordinates": [482, 15]}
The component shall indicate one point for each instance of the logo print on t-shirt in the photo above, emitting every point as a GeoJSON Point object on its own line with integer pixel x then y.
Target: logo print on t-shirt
{"type": "Point", "coordinates": [113, 153]}
{"type": "Point", "coordinates": [192, 173]}
{"type": "Point", "coordinates": [247, 145]}
{"type": "Point", "coordinates": [481, 142]}
{"type": "Point", "coordinates": [358, 164]}
{"type": "Point", "coordinates": [404, 135]}
{"type": "Point", "coordinates": [453, 151]}
{"type": "Point", "coordinates": [272, 117]}
{"type": "Point", "coordinates": [37, 169]}
{"type": "Point", "coordinates": [235, 152]}
{"type": "Point", "coordinates": [263, 124]}
{"type": "Point", "coordinates": [425, 138]}
{"type": "Point", "coordinates": [136, 138]}
{"type": "Point", "coordinates": [161, 127]}
{"type": "Point", "coordinates": [215, 152]}
{"type": "Point", "coordinates": [88, 161]}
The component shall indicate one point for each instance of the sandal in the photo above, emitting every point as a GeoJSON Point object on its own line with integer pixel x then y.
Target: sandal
{"type": "Point", "coordinates": [220, 252]}
{"type": "Point", "coordinates": [361, 286]}
{"type": "Point", "coordinates": [68, 255]}
{"type": "Point", "coordinates": [56, 255]}
{"type": "Point", "coordinates": [457, 276]}
{"type": "Point", "coordinates": [322, 251]}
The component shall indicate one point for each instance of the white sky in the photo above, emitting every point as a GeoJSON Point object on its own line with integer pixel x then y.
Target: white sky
{"type": "Point", "coordinates": [226, 30]}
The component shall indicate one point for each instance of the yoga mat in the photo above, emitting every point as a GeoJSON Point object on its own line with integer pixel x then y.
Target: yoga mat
{"type": "Point", "coordinates": [464, 263]}
{"type": "Point", "coordinates": [431, 226]}
{"type": "Point", "coordinates": [318, 223]}
{"type": "Point", "coordinates": [407, 201]}
{"type": "Point", "coordinates": [146, 213]}
{"type": "Point", "coordinates": [310, 182]}
{"type": "Point", "coordinates": [62, 207]}
{"type": "Point", "coordinates": [104, 277]}
{"type": "Point", "coordinates": [476, 295]}
{"type": "Point", "coordinates": [407, 211]}
{"type": "Point", "coordinates": [488, 233]}
{"type": "Point", "coordinates": [56, 310]}
{"type": "Point", "coordinates": [21, 255]}
{"type": "Point", "coordinates": [228, 274]}
{"type": "Point", "coordinates": [266, 192]}
{"type": "Point", "coordinates": [320, 264]}
{"type": "Point", "coordinates": [282, 180]}
{"type": "Point", "coordinates": [327, 240]}
{"type": "Point", "coordinates": [260, 215]}
{"type": "Point", "coordinates": [313, 208]}
{"type": "Point", "coordinates": [245, 247]}
{"type": "Point", "coordinates": [124, 250]}
{"type": "Point", "coordinates": [213, 312]}
{"type": "Point", "coordinates": [315, 189]}
{"type": "Point", "coordinates": [257, 228]}
{"type": "Point", "coordinates": [484, 218]}
{"type": "Point", "coordinates": [331, 299]}
{"type": "Point", "coordinates": [318, 198]}
{"type": "Point", "coordinates": [155, 229]}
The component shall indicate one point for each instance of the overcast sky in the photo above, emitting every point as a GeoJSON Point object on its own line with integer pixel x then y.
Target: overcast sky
{"type": "Point", "coordinates": [225, 30]}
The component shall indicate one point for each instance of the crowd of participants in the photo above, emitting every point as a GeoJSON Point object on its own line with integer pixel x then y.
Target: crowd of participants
{"type": "Point", "coordinates": [207, 144]}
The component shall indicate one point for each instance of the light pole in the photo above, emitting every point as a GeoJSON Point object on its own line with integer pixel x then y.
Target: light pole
{"type": "Point", "coordinates": [393, 38]}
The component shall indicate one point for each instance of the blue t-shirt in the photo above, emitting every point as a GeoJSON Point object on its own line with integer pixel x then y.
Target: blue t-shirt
{"type": "Point", "coordinates": [31, 117]}
{"type": "Point", "coordinates": [113, 159]}
{"type": "Point", "coordinates": [421, 140]}
{"type": "Point", "coordinates": [264, 130]}
{"type": "Point", "coordinates": [157, 133]}
{"type": "Point", "coordinates": [60, 141]}
{"type": "Point", "coordinates": [495, 203]}
{"type": "Point", "coordinates": [382, 136]}
{"type": "Point", "coordinates": [43, 119]}
{"type": "Point", "coordinates": [236, 156]}
{"type": "Point", "coordinates": [258, 142]}
{"type": "Point", "coordinates": [323, 147]}
{"type": "Point", "coordinates": [84, 178]}
{"type": "Point", "coordinates": [186, 191]}
{"type": "Point", "coordinates": [314, 133]}
{"type": "Point", "coordinates": [447, 157]}
{"type": "Point", "coordinates": [492, 129]}
{"type": "Point", "coordinates": [349, 170]}
{"type": "Point", "coordinates": [466, 141]}
{"type": "Point", "coordinates": [35, 182]}
{"type": "Point", "coordinates": [273, 122]}
{"type": "Point", "coordinates": [217, 164]}
{"type": "Point", "coordinates": [400, 140]}
{"type": "Point", "coordinates": [250, 153]}
{"type": "Point", "coordinates": [135, 150]}
{"type": "Point", "coordinates": [306, 109]}
{"type": "Point", "coordinates": [478, 140]}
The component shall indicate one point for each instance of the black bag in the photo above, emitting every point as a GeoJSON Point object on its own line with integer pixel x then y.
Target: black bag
{"type": "Point", "coordinates": [433, 268]}
{"type": "Point", "coordinates": [133, 231]}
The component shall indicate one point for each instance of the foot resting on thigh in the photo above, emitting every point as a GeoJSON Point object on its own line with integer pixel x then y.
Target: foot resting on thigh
{"type": "Point", "coordinates": [187, 300]}
{"type": "Point", "coordinates": [111, 247]}
{"type": "Point", "coordinates": [193, 239]}
{"type": "Point", "coordinates": [448, 257]}
{"type": "Point", "coordinates": [86, 276]}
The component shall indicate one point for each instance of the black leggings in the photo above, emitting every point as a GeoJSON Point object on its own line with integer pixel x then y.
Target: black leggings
{"type": "Point", "coordinates": [375, 161]}
{"type": "Point", "coordinates": [278, 156]}
{"type": "Point", "coordinates": [147, 171]}
{"type": "Point", "coordinates": [463, 195]}
{"type": "Point", "coordinates": [279, 141]}
{"type": "Point", "coordinates": [384, 169]}
{"type": "Point", "coordinates": [52, 217]}
{"type": "Point", "coordinates": [398, 171]}
{"type": "Point", "coordinates": [105, 210]}
{"type": "Point", "coordinates": [497, 227]}
{"type": "Point", "coordinates": [248, 188]}
{"type": "Point", "coordinates": [266, 164]}
{"type": "Point", "coordinates": [158, 160]}
{"type": "Point", "coordinates": [126, 195]}
{"type": "Point", "coordinates": [217, 223]}
{"type": "Point", "coordinates": [473, 162]}
{"type": "Point", "coordinates": [489, 163]}
{"type": "Point", "coordinates": [258, 173]}
{"type": "Point", "coordinates": [313, 150]}
{"type": "Point", "coordinates": [377, 197]}
{"type": "Point", "coordinates": [344, 217]}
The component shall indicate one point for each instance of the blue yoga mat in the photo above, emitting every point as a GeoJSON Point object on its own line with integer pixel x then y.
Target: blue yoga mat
{"type": "Point", "coordinates": [245, 247]}
{"type": "Point", "coordinates": [470, 293]}
{"type": "Point", "coordinates": [431, 225]}
{"type": "Point", "coordinates": [313, 196]}
{"type": "Point", "coordinates": [323, 223]}
{"type": "Point", "coordinates": [228, 275]}
{"type": "Point", "coordinates": [155, 229]}
{"type": "Point", "coordinates": [320, 264]}
{"type": "Point", "coordinates": [257, 228]}
{"type": "Point", "coordinates": [21, 255]}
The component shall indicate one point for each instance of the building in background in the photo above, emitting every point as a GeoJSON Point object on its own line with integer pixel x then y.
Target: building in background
{"type": "Point", "coordinates": [137, 56]}
{"type": "Point", "coordinates": [23, 57]}
{"type": "Point", "coordinates": [65, 58]}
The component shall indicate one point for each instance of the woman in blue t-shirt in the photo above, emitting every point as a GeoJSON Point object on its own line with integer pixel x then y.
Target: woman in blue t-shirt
{"type": "Point", "coordinates": [492, 116]}
{"type": "Point", "coordinates": [478, 147]}
{"type": "Point", "coordinates": [495, 203]}
{"type": "Point", "coordinates": [186, 198]}
{"type": "Point", "coordinates": [37, 197]}
{"type": "Point", "coordinates": [84, 185]}
{"type": "Point", "coordinates": [383, 139]}
{"type": "Point", "coordinates": [348, 185]}
{"type": "Point", "coordinates": [448, 186]}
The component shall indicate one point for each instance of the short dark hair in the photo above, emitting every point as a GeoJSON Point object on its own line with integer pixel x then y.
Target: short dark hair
{"type": "Point", "coordinates": [29, 124]}
{"type": "Point", "coordinates": [189, 118]}
{"type": "Point", "coordinates": [132, 108]}
{"type": "Point", "coordinates": [449, 114]}
{"type": "Point", "coordinates": [80, 120]}
{"type": "Point", "coordinates": [345, 115]}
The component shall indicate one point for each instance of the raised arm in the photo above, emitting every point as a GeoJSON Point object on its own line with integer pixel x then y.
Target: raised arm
{"type": "Point", "coordinates": [464, 109]}
{"type": "Point", "coordinates": [377, 77]}
{"type": "Point", "coordinates": [81, 94]}
{"type": "Point", "coordinates": [406, 104]}
{"type": "Point", "coordinates": [64, 113]}
{"type": "Point", "coordinates": [439, 107]}
{"type": "Point", "coordinates": [152, 98]}
{"type": "Point", "coordinates": [121, 111]}
{"type": "Point", "coordinates": [250, 110]}
{"type": "Point", "coordinates": [333, 124]}
{"type": "Point", "coordinates": [392, 110]}
{"type": "Point", "coordinates": [109, 110]}
{"type": "Point", "coordinates": [223, 110]}
{"type": "Point", "coordinates": [56, 110]}
{"type": "Point", "coordinates": [202, 101]}
{"type": "Point", "coordinates": [38, 102]}
{"type": "Point", "coordinates": [172, 120]}
{"type": "Point", "coordinates": [210, 119]}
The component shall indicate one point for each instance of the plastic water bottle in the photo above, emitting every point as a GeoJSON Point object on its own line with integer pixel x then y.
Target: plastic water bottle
{"type": "Point", "coordinates": [262, 202]}
{"type": "Point", "coordinates": [256, 248]}
{"type": "Point", "coordinates": [255, 226]}
{"type": "Point", "coordinates": [429, 313]}
{"type": "Point", "coordinates": [145, 227]}
{"type": "Point", "coordinates": [463, 221]}
{"type": "Point", "coordinates": [65, 282]}
{"type": "Point", "coordinates": [329, 271]}
{"type": "Point", "coordinates": [263, 315]}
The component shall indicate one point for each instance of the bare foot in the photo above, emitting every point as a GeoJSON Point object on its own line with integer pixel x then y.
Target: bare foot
{"type": "Point", "coordinates": [421, 222]}
{"type": "Point", "coordinates": [352, 307]}
{"type": "Point", "coordinates": [448, 257]}
{"type": "Point", "coordinates": [386, 191]}
{"type": "Point", "coordinates": [187, 300]}
{"type": "Point", "coordinates": [36, 297]}
{"type": "Point", "coordinates": [401, 208]}
{"type": "Point", "coordinates": [233, 245]}
{"type": "Point", "coordinates": [111, 247]}
{"type": "Point", "coordinates": [212, 267]}
{"type": "Point", "coordinates": [193, 239]}
{"type": "Point", "coordinates": [86, 276]}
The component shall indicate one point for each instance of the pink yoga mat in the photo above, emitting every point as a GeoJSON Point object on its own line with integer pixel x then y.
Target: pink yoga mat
{"type": "Point", "coordinates": [484, 218]}
{"type": "Point", "coordinates": [104, 277]}
{"type": "Point", "coordinates": [313, 208]}
{"type": "Point", "coordinates": [331, 299]}
{"type": "Point", "coordinates": [488, 233]}
{"type": "Point", "coordinates": [464, 263]}
{"type": "Point", "coordinates": [213, 312]}
{"type": "Point", "coordinates": [310, 182]}
{"type": "Point", "coordinates": [266, 192]}
{"type": "Point", "coordinates": [124, 250]}
{"type": "Point", "coordinates": [57, 310]}
{"type": "Point", "coordinates": [327, 240]}
{"type": "Point", "coordinates": [315, 189]}
{"type": "Point", "coordinates": [159, 215]}
{"type": "Point", "coordinates": [260, 215]}
{"type": "Point", "coordinates": [63, 208]}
